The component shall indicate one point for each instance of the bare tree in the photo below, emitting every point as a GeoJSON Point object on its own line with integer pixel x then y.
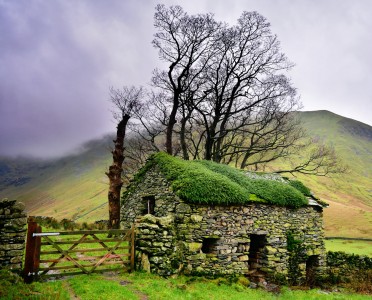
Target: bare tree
{"type": "Point", "coordinates": [226, 95]}
{"type": "Point", "coordinates": [314, 158]}
{"type": "Point", "coordinates": [243, 94]}
{"type": "Point", "coordinates": [126, 102]}
{"type": "Point", "coordinates": [184, 42]}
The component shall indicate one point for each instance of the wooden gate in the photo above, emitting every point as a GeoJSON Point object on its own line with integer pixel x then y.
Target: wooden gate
{"type": "Point", "coordinates": [70, 252]}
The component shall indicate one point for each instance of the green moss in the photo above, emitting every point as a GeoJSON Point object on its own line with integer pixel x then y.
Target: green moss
{"type": "Point", "coordinates": [206, 182]}
{"type": "Point", "coordinates": [298, 185]}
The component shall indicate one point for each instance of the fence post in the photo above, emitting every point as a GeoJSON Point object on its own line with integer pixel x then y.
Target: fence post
{"type": "Point", "coordinates": [132, 248]}
{"type": "Point", "coordinates": [28, 270]}
{"type": "Point", "coordinates": [37, 251]}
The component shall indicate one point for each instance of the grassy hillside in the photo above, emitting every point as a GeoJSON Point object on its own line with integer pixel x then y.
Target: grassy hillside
{"type": "Point", "coordinates": [349, 195]}
{"type": "Point", "coordinates": [71, 187]}
{"type": "Point", "coordinates": [76, 186]}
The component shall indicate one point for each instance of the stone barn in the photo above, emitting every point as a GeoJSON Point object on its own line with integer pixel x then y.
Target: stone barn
{"type": "Point", "coordinates": [204, 218]}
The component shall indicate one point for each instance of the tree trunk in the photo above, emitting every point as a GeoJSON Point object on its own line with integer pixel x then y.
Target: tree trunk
{"type": "Point", "coordinates": [185, 153]}
{"type": "Point", "coordinates": [171, 122]}
{"type": "Point", "coordinates": [114, 175]}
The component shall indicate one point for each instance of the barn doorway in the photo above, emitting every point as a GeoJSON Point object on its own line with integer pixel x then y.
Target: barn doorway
{"type": "Point", "coordinates": [312, 263]}
{"type": "Point", "coordinates": [256, 256]}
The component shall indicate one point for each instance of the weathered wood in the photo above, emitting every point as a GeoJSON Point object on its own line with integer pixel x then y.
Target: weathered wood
{"type": "Point", "coordinates": [85, 258]}
{"type": "Point", "coordinates": [132, 248]}
{"type": "Point", "coordinates": [29, 271]}
{"type": "Point", "coordinates": [64, 253]}
{"type": "Point", "coordinates": [79, 273]}
{"type": "Point", "coordinates": [62, 256]}
{"type": "Point", "coordinates": [80, 232]}
{"type": "Point", "coordinates": [84, 250]}
{"type": "Point", "coordinates": [107, 247]}
{"type": "Point", "coordinates": [106, 263]}
{"type": "Point", "coordinates": [37, 251]}
{"type": "Point", "coordinates": [87, 264]}
{"type": "Point", "coordinates": [111, 251]}
{"type": "Point", "coordinates": [85, 242]}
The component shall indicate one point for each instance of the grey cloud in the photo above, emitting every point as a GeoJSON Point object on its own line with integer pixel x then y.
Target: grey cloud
{"type": "Point", "coordinates": [58, 59]}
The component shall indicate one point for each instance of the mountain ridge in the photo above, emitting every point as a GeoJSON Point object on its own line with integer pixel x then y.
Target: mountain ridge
{"type": "Point", "coordinates": [75, 186]}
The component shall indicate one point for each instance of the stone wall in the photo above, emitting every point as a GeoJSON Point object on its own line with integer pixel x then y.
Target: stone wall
{"type": "Point", "coordinates": [217, 240]}
{"type": "Point", "coordinates": [343, 265]}
{"type": "Point", "coordinates": [12, 233]}
{"type": "Point", "coordinates": [156, 248]}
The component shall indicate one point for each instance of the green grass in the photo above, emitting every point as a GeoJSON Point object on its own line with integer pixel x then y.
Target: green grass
{"type": "Point", "coordinates": [211, 183]}
{"type": "Point", "coordinates": [12, 287]}
{"type": "Point", "coordinates": [350, 246]}
{"type": "Point", "coordinates": [147, 286]}
{"type": "Point", "coordinates": [96, 287]}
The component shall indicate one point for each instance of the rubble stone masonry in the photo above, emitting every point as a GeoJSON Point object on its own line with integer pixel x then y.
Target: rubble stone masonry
{"type": "Point", "coordinates": [179, 237]}
{"type": "Point", "coordinates": [12, 234]}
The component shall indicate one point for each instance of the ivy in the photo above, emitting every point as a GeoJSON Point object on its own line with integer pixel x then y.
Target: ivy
{"type": "Point", "coordinates": [297, 255]}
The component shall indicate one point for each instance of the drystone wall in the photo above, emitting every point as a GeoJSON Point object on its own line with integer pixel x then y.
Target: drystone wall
{"type": "Point", "coordinates": [343, 265]}
{"type": "Point", "coordinates": [215, 240]}
{"type": "Point", "coordinates": [12, 234]}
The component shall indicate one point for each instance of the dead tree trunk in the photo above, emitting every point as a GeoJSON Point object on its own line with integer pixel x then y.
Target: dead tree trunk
{"type": "Point", "coordinates": [114, 175]}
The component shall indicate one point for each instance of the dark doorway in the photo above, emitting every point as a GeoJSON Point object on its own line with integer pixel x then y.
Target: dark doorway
{"type": "Point", "coordinates": [256, 255]}
{"type": "Point", "coordinates": [312, 263]}
{"type": "Point", "coordinates": [149, 205]}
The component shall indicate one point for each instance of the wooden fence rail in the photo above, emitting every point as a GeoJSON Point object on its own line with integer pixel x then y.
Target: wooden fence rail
{"type": "Point", "coordinates": [52, 253]}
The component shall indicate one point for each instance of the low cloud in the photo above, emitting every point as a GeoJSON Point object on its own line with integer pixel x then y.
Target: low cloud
{"type": "Point", "coordinates": [59, 58]}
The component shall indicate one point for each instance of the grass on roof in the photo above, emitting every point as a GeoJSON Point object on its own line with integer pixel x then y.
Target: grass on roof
{"type": "Point", "coordinates": [206, 182]}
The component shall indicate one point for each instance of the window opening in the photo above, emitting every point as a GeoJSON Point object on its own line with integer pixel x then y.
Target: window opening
{"type": "Point", "coordinates": [149, 205]}
{"type": "Point", "coordinates": [209, 245]}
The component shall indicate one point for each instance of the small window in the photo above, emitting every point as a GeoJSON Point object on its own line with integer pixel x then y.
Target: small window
{"type": "Point", "coordinates": [209, 245]}
{"type": "Point", "coordinates": [149, 205]}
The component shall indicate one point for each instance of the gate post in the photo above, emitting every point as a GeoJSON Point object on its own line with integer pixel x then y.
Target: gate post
{"type": "Point", "coordinates": [32, 251]}
{"type": "Point", "coordinates": [132, 248]}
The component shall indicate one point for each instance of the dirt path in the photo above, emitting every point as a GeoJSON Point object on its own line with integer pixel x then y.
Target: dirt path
{"type": "Point", "coordinates": [69, 289]}
{"type": "Point", "coordinates": [141, 295]}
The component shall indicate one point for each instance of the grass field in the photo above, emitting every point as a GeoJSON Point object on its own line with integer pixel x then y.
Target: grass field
{"type": "Point", "coordinates": [349, 246]}
{"type": "Point", "coordinates": [143, 286]}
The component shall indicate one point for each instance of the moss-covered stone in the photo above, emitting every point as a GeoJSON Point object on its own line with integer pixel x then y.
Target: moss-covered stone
{"type": "Point", "coordinates": [12, 234]}
{"type": "Point", "coordinates": [196, 218]}
{"type": "Point", "coordinates": [194, 247]}
{"type": "Point", "coordinates": [173, 237]}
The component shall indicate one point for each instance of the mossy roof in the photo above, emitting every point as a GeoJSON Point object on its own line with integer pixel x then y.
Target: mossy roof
{"type": "Point", "coordinates": [206, 182]}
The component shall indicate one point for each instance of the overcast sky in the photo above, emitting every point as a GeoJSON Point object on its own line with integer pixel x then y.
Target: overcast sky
{"type": "Point", "coordinates": [58, 59]}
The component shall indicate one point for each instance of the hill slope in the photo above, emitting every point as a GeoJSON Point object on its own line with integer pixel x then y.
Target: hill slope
{"type": "Point", "coordinates": [76, 186]}
{"type": "Point", "coordinates": [349, 195]}
{"type": "Point", "coordinates": [73, 187]}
